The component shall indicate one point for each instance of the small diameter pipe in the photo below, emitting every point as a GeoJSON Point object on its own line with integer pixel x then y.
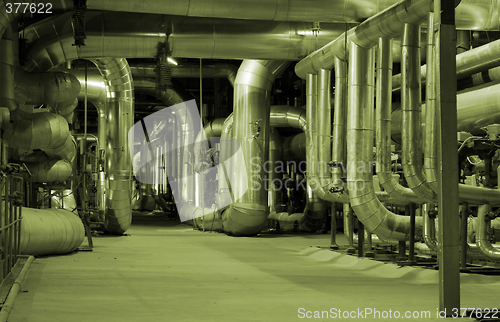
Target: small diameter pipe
{"type": "Point", "coordinates": [16, 288]}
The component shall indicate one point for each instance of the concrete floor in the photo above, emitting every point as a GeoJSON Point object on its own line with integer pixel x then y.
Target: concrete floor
{"type": "Point", "coordinates": [164, 271]}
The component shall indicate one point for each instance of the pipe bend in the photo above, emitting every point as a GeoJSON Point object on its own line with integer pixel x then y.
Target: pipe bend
{"type": "Point", "coordinates": [483, 241]}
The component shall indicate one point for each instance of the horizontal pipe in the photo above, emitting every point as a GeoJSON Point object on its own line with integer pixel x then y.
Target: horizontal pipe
{"type": "Point", "coordinates": [470, 14]}
{"type": "Point", "coordinates": [388, 23]}
{"type": "Point", "coordinates": [110, 34]}
{"type": "Point", "coordinates": [50, 231]}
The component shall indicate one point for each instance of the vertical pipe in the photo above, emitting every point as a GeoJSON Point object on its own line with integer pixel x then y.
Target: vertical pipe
{"type": "Point", "coordinates": [446, 92]}
{"type": "Point", "coordinates": [349, 227]}
{"type": "Point", "coordinates": [402, 251]}
{"type": "Point", "coordinates": [339, 126]}
{"type": "Point", "coordinates": [463, 235]}
{"type": "Point", "coordinates": [361, 239]}
{"type": "Point", "coordinates": [410, 96]}
{"type": "Point", "coordinates": [411, 249]}
{"type": "Point", "coordinates": [333, 227]}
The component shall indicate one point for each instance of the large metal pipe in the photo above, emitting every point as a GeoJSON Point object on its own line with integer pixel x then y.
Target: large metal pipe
{"type": "Point", "coordinates": [50, 171]}
{"type": "Point", "coordinates": [247, 215]}
{"type": "Point", "coordinates": [470, 14]}
{"type": "Point", "coordinates": [227, 71]}
{"type": "Point", "coordinates": [370, 211]}
{"type": "Point", "coordinates": [170, 96]}
{"type": "Point", "coordinates": [50, 231]}
{"type": "Point", "coordinates": [388, 23]}
{"type": "Point", "coordinates": [275, 156]}
{"type": "Point", "coordinates": [412, 160]}
{"type": "Point", "coordinates": [110, 34]}
{"type": "Point", "coordinates": [383, 125]}
{"type": "Point", "coordinates": [483, 240]}
{"type": "Point", "coordinates": [120, 119]}
{"type": "Point", "coordinates": [339, 145]}
{"type": "Point", "coordinates": [468, 63]}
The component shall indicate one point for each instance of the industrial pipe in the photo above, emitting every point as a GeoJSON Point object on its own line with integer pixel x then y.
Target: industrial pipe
{"type": "Point", "coordinates": [383, 125]}
{"type": "Point", "coordinates": [120, 119]}
{"type": "Point", "coordinates": [388, 23]}
{"type": "Point", "coordinates": [247, 215]}
{"type": "Point", "coordinates": [370, 211]}
{"type": "Point", "coordinates": [411, 104]}
{"type": "Point", "coordinates": [50, 231]}
{"type": "Point", "coordinates": [49, 171]}
{"type": "Point", "coordinates": [483, 240]}
{"type": "Point", "coordinates": [470, 14]}
{"type": "Point", "coordinates": [110, 34]}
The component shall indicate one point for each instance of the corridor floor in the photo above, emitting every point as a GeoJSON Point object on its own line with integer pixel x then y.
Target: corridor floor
{"type": "Point", "coordinates": [165, 271]}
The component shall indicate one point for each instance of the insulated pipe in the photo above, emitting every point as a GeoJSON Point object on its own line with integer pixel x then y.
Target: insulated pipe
{"type": "Point", "coordinates": [369, 210]}
{"type": "Point", "coordinates": [383, 125]}
{"type": "Point", "coordinates": [313, 159]}
{"type": "Point", "coordinates": [483, 240]}
{"type": "Point", "coordinates": [429, 232]}
{"type": "Point", "coordinates": [339, 161]}
{"type": "Point", "coordinates": [46, 131]}
{"type": "Point", "coordinates": [50, 231]}
{"type": "Point", "coordinates": [411, 104]}
{"type": "Point", "coordinates": [491, 75]}
{"type": "Point", "coordinates": [111, 34]}
{"type": "Point", "coordinates": [7, 16]}
{"type": "Point", "coordinates": [288, 116]}
{"type": "Point", "coordinates": [387, 23]}
{"type": "Point", "coordinates": [430, 139]}
{"type": "Point", "coordinates": [247, 215]}
{"type": "Point", "coordinates": [49, 171]}
{"type": "Point", "coordinates": [295, 147]}
{"type": "Point", "coordinates": [170, 96]}
{"type": "Point", "coordinates": [7, 96]}
{"type": "Point", "coordinates": [478, 108]}
{"type": "Point", "coordinates": [275, 156]}
{"type": "Point", "coordinates": [120, 119]}
{"type": "Point", "coordinates": [470, 14]}
{"type": "Point", "coordinates": [56, 89]}
{"type": "Point", "coordinates": [468, 63]}
{"type": "Point", "coordinates": [227, 71]}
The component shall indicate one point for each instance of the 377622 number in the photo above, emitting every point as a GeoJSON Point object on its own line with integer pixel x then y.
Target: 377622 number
{"type": "Point", "coordinates": [26, 7]}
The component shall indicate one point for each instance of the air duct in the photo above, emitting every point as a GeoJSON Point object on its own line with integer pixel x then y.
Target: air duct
{"type": "Point", "coordinates": [247, 215]}
{"type": "Point", "coordinates": [120, 119]}
{"type": "Point", "coordinates": [411, 103]}
{"type": "Point", "coordinates": [483, 240]}
{"type": "Point", "coordinates": [370, 211]}
{"type": "Point", "coordinates": [50, 231]}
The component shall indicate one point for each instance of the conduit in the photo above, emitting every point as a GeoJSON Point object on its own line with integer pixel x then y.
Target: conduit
{"type": "Point", "coordinates": [410, 134]}
{"type": "Point", "coordinates": [369, 210]}
{"type": "Point", "coordinates": [50, 231]}
{"type": "Point", "coordinates": [483, 240]}
{"type": "Point", "coordinates": [247, 215]}
{"type": "Point", "coordinates": [120, 119]}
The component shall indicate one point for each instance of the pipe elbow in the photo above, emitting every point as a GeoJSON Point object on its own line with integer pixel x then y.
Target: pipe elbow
{"type": "Point", "coordinates": [244, 219]}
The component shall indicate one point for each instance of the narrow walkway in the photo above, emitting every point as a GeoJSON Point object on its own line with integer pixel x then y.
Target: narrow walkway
{"type": "Point", "coordinates": [169, 272]}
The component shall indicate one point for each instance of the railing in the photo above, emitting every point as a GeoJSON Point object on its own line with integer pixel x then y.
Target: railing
{"type": "Point", "coordinates": [12, 191]}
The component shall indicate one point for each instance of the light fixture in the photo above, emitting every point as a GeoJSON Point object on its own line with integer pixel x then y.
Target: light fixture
{"type": "Point", "coordinates": [172, 61]}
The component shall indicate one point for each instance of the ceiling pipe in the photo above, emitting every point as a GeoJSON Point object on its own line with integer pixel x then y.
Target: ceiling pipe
{"type": "Point", "coordinates": [411, 103]}
{"type": "Point", "coordinates": [369, 210]}
{"type": "Point", "coordinates": [170, 96]}
{"type": "Point", "coordinates": [227, 71]}
{"type": "Point", "coordinates": [469, 63]}
{"type": "Point", "coordinates": [111, 35]}
{"type": "Point", "coordinates": [387, 23]}
{"type": "Point", "coordinates": [483, 240]}
{"type": "Point", "coordinates": [120, 119]}
{"type": "Point", "coordinates": [247, 215]}
{"type": "Point", "coordinates": [470, 14]}
{"type": "Point", "coordinates": [276, 10]}
{"type": "Point", "coordinates": [383, 126]}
